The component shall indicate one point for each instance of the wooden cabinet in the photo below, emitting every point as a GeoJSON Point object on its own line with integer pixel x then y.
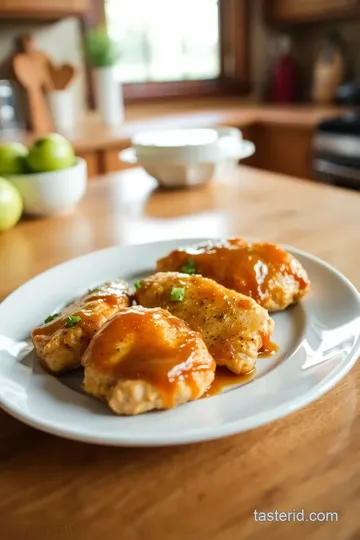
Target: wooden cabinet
{"type": "Point", "coordinates": [288, 11]}
{"type": "Point", "coordinates": [282, 149]}
{"type": "Point", "coordinates": [103, 161]}
{"type": "Point", "coordinates": [93, 163]}
{"type": "Point", "coordinates": [41, 9]}
{"type": "Point", "coordinates": [111, 162]}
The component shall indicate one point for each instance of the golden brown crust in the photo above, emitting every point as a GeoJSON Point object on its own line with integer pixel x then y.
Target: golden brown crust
{"type": "Point", "coordinates": [145, 359]}
{"type": "Point", "coordinates": [61, 343]}
{"type": "Point", "coordinates": [261, 270]}
{"type": "Point", "coordinates": [234, 327]}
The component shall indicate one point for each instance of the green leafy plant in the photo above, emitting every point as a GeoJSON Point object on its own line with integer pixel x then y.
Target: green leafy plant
{"type": "Point", "coordinates": [101, 50]}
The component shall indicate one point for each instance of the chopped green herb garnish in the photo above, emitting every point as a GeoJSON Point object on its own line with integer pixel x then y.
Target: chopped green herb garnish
{"type": "Point", "coordinates": [90, 291]}
{"type": "Point", "coordinates": [51, 318]}
{"type": "Point", "coordinates": [177, 294]}
{"type": "Point", "coordinates": [139, 284]}
{"type": "Point", "coordinates": [72, 320]}
{"type": "Point", "coordinates": [189, 267]}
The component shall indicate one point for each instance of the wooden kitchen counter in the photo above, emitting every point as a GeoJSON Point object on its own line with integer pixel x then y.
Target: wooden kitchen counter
{"type": "Point", "coordinates": [282, 135]}
{"type": "Point", "coordinates": [52, 488]}
{"type": "Point", "coordinates": [92, 135]}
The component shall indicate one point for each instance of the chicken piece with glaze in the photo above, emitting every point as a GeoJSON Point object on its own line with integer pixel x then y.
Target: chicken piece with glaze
{"type": "Point", "coordinates": [62, 340]}
{"type": "Point", "coordinates": [144, 359]}
{"type": "Point", "coordinates": [233, 326]}
{"type": "Point", "coordinates": [264, 271]}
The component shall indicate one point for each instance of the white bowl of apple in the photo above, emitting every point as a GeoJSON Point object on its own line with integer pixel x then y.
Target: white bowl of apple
{"type": "Point", "coordinates": [48, 175]}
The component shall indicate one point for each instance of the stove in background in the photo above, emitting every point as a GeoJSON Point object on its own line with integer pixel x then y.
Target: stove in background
{"type": "Point", "coordinates": [336, 151]}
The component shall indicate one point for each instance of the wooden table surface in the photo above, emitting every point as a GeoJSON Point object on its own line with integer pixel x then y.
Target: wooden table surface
{"type": "Point", "coordinates": [52, 488]}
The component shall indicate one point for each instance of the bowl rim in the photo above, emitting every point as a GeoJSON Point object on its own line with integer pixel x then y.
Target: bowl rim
{"type": "Point", "coordinates": [243, 150]}
{"type": "Point", "coordinates": [221, 130]}
{"type": "Point", "coordinates": [78, 162]}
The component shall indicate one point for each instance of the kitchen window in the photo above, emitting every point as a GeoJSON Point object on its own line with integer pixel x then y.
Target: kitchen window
{"type": "Point", "coordinates": [180, 47]}
{"type": "Point", "coordinates": [165, 40]}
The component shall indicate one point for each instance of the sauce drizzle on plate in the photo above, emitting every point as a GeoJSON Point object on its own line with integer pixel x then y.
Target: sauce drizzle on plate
{"type": "Point", "coordinates": [225, 378]}
{"type": "Point", "coordinates": [270, 350]}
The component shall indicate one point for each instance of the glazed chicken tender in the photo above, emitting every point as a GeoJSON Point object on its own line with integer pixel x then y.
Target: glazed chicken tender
{"type": "Point", "coordinates": [266, 272]}
{"type": "Point", "coordinates": [144, 359]}
{"type": "Point", "coordinates": [62, 340]}
{"type": "Point", "coordinates": [234, 327]}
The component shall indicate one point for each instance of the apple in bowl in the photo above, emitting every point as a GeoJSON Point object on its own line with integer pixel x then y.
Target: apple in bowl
{"type": "Point", "coordinates": [50, 153]}
{"type": "Point", "coordinates": [53, 179]}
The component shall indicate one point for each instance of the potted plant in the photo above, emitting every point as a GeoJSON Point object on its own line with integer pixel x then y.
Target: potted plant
{"type": "Point", "coordinates": [103, 53]}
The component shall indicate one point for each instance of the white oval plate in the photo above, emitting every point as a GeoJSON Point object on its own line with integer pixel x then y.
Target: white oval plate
{"type": "Point", "coordinates": [318, 339]}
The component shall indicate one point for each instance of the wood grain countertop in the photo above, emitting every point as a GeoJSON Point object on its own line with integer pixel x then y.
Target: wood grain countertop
{"type": "Point", "coordinates": [90, 134]}
{"type": "Point", "coordinates": [52, 488]}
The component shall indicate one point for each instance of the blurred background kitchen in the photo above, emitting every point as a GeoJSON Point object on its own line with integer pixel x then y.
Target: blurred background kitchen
{"type": "Point", "coordinates": [286, 72]}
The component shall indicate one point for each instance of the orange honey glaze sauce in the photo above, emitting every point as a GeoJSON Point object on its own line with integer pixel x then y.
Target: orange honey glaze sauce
{"type": "Point", "coordinates": [91, 308]}
{"type": "Point", "coordinates": [270, 350]}
{"type": "Point", "coordinates": [249, 269]}
{"type": "Point", "coordinates": [225, 378]}
{"type": "Point", "coordinates": [151, 345]}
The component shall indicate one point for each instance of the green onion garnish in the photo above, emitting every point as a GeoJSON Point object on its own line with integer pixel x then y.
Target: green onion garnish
{"type": "Point", "coordinates": [189, 267]}
{"type": "Point", "coordinates": [139, 284]}
{"type": "Point", "coordinates": [90, 291]}
{"type": "Point", "coordinates": [51, 318]}
{"type": "Point", "coordinates": [177, 294]}
{"type": "Point", "coordinates": [72, 320]}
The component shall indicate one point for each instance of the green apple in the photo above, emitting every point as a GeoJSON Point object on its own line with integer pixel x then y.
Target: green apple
{"type": "Point", "coordinates": [13, 158]}
{"type": "Point", "coordinates": [11, 205]}
{"type": "Point", "coordinates": [51, 153]}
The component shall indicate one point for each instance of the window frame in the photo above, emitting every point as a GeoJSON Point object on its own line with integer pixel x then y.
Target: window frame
{"type": "Point", "coordinates": [234, 20]}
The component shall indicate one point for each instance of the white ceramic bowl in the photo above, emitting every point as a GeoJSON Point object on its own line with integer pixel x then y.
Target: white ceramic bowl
{"type": "Point", "coordinates": [52, 193]}
{"type": "Point", "coordinates": [187, 157]}
{"type": "Point", "coordinates": [196, 145]}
